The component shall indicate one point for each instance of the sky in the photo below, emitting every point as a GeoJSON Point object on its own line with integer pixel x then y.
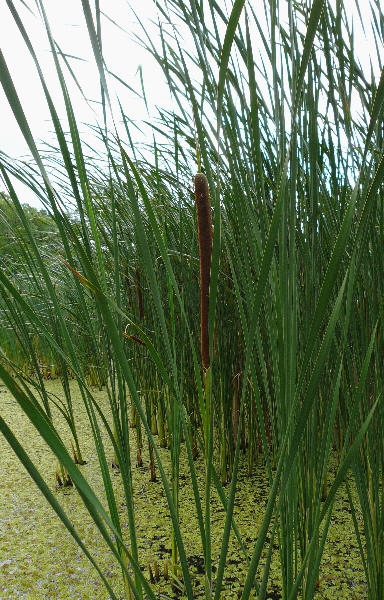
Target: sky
{"type": "Point", "coordinates": [123, 55]}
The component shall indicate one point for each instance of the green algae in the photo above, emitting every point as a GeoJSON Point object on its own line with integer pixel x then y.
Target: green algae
{"type": "Point", "coordinates": [39, 559]}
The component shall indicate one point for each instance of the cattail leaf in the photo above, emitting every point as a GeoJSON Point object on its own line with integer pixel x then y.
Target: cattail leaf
{"type": "Point", "coordinates": [230, 33]}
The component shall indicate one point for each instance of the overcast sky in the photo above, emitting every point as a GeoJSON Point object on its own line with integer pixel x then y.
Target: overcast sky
{"type": "Point", "coordinates": [122, 55]}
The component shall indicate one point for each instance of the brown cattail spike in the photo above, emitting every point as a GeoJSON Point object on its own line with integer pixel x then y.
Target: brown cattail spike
{"type": "Point", "coordinates": [204, 224]}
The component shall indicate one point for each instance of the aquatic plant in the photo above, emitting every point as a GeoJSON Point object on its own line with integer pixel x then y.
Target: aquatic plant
{"type": "Point", "coordinates": [290, 321]}
{"type": "Point", "coordinates": [204, 220]}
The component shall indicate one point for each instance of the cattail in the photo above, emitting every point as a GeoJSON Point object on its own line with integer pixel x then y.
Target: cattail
{"type": "Point", "coordinates": [139, 293]}
{"type": "Point", "coordinates": [204, 224]}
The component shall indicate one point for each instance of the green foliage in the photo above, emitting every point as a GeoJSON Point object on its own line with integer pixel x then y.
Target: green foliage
{"type": "Point", "coordinates": [14, 238]}
{"type": "Point", "coordinates": [295, 296]}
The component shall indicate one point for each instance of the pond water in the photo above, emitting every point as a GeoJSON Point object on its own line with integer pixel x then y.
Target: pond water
{"type": "Point", "coordinates": [39, 559]}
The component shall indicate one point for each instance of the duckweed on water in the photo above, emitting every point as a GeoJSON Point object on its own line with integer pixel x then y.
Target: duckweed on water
{"type": "Point", "coordinates": [106, 289]}
{"type": "Point", "coordinates": [40, 560]}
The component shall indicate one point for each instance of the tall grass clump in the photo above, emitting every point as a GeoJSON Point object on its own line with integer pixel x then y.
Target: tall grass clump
{"type": "Point", "coordinates": [236, 318]}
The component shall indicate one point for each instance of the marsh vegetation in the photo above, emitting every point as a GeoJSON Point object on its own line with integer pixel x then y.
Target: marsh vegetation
{"type": "Point", "coordinates": [41, 560]}
{"type": "Point", "coordinates": [217, 339]}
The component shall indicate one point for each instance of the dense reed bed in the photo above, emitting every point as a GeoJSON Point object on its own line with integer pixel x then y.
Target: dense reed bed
{"type": "Point", "coordinates": [253, 327]}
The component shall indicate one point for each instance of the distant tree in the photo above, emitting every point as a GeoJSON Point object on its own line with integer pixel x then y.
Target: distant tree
{"type": "Point", "coordinates": [14, 238]}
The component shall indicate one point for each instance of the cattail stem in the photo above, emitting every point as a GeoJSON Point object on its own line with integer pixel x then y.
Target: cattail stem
{"type": "Point", "coordinates": [204, 224]}
{"type": "Point", "coordinates": [139, 293]}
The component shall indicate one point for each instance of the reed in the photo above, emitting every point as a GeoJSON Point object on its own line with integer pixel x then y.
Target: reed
{"type": "Point", "coordinates": [281, 364]}
{"type": "Point", "coordinates": [204, 224]}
